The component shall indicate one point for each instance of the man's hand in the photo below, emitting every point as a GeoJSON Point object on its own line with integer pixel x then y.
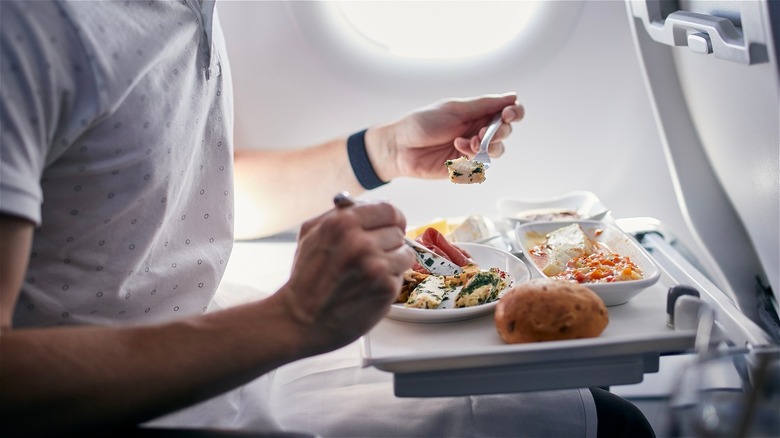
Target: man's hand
{"type": "Point", "coordinates": [347, 271]}
{"type": "Point", "coordinates": [420, 143]}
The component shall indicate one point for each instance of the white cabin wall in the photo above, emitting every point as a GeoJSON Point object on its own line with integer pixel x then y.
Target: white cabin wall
{"type": "Point", "coordinates": [588, 123]}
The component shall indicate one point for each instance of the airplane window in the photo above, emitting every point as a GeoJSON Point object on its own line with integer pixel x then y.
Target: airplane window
{"type": "Point", "coordinates": [432, 44]}
{"type": "Point", "coordinates": [437, 30]}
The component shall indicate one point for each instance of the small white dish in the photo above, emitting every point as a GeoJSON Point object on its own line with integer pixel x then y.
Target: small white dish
{"type": "Point", "coordinates": [616, 293]}
{"type": "Point", "coordinates": [486, 257]}
{"type": "Point", "coordinates": [579, 205]}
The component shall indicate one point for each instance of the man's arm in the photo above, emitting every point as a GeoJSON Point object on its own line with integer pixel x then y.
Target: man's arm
{"type": "Point", "coordinates": [62, 377]}
{"type": "Point", "coordinates": [276, 190]}
{"type": "Point", "coordinates": [75, 378]}
{"type": "Point", "coordinates": [15, 243]}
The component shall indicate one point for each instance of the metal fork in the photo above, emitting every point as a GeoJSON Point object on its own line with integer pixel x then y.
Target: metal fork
{"type": "Point", "coordinates": [482, 155]}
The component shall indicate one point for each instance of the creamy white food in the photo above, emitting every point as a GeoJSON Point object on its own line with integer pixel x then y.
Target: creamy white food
{"type": "Point", "coordinates": [470, 230]}
{"type": "Point", "coordinates": [564, 244]}
{"type": "Point", "coordinates": [569, 254]}
{"type": "Point", "coordinates": [465, 171]}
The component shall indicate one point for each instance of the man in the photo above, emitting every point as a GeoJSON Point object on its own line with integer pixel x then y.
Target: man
{"type": "Point", "coordinates": [116, 216]}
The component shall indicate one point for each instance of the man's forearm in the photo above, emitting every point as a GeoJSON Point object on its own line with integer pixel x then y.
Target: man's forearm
{"type": "Point", "coordinates": [97, 377]}
{"type": "Point", "coordinates": [276, 190]}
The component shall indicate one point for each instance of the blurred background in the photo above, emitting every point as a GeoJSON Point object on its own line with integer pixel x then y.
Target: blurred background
{"type": "Point", "coordinates": [303, 73]}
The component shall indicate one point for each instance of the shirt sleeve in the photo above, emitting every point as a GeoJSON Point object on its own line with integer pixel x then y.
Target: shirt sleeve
{"type": "Point", "coordinates": [44, 86]}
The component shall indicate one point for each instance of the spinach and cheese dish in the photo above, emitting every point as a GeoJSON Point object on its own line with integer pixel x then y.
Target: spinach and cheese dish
{"type": "Point", "coordinates": [465, 171]}
{"type": "Point", "coordinates": [429, 293]}
{"type": "Point", "coordinates": [412, 280]}
{"type": "Point", "coordinates": [482, 288]}
{"type": "Point", "coordinates": [472, 288]}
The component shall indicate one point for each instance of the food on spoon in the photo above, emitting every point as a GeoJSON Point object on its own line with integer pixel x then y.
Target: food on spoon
{"type": "Point", "coordinates": [545, 309]}
{"type": "Point", "coordinates": [465, 171]}
{"type": "Point", "coordinates": [482, 288]}
{"type": "Point", "coordinates": [568, 253]}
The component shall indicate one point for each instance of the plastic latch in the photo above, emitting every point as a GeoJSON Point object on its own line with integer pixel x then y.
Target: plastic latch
{"type": "Point", "coordinates": [676, 292]}
{"type": "Point", "coordinates": [687, 310]}
{"type": "Point", "coordinates": [700, 43]}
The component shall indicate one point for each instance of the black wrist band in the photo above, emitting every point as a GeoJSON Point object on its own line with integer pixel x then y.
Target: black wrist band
{"type": "Point", "coordinates": [361, 165]}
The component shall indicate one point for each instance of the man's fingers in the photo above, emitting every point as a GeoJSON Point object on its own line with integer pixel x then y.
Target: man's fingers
{"type": "Point", "coordinates": [503, 132]}
{"type": "Point", "coordinates": [388, 238]}
{"type": "Point", "coordinates": [495, 150]}
{"type": "Point", "coordinates": [401, 259]}
{"type": "Point", "coordinates": [513, 113]}
{"type": "Point", "coordinates": [376, 215]}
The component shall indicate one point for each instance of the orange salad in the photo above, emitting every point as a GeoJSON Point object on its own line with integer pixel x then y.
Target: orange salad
{"type": "Point", "coordinates": [600, 267]}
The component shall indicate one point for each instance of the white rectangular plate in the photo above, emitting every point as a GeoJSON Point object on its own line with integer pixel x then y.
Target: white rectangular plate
{"type": "Point", "coordinates": [615, 293]}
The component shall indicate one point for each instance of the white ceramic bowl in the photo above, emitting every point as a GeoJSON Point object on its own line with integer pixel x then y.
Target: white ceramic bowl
{"type": "Point", "coordinates": [583, 204]}
{"type": "Point", "coordinates": [613, 294]}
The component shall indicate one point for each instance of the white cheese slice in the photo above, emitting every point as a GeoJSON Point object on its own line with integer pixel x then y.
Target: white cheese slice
{"type": "Point", "coordinates": [470, 230]}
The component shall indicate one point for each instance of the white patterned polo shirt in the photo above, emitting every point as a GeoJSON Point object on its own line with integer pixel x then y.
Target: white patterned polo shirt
{"type": "Point", "coordinates": [116, 140]}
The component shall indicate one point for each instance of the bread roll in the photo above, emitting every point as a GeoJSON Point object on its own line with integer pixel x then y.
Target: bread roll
{"type": "Point", "coordinates": [547, 310]}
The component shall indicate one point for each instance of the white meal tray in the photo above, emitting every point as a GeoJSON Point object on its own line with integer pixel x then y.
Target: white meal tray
{"type": "Point", "coordinates": [468, 357]}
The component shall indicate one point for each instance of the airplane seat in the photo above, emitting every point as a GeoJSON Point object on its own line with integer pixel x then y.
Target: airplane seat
{"type": "Point", "coordinates": [711, 70]}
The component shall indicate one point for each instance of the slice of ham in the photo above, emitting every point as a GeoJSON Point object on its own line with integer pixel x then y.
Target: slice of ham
{"type": "Point", "coordinates": [432, 239]}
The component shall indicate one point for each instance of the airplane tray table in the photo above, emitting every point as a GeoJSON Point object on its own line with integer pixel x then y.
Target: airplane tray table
{"type": "Point", "coordinates": [468, 357]}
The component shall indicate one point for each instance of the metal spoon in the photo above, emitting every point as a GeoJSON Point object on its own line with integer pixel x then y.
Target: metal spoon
{"type": "Point", "coordinates": [482, 155]}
